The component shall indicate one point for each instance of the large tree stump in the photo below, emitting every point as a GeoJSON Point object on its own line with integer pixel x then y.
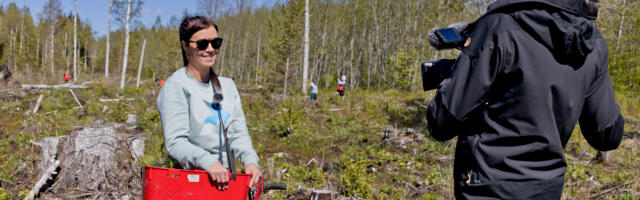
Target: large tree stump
{"type": "Point", "coordinates": [96, 162]}
{"type": "Point", "coordinates": [323, 195]}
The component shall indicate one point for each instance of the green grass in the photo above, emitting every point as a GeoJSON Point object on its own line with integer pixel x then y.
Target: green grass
{"type": "Point", "coordinates": [344, 136]}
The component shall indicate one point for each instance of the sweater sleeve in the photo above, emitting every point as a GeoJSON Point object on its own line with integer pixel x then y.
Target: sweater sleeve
{"type": "Point", "coordinates": [239, 134]}
{"type": "Point", "coordinates": [174, 113]}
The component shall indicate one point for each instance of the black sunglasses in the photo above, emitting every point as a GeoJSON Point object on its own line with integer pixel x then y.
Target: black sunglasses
{"type": "Point", "coordinates": [202, 44]}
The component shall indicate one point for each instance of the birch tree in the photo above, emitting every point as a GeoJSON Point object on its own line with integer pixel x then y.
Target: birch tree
{"type": "Point", "coordinates": [126, 45]}
{"type": "Point", "coordinates": [75, 40]}
{"type": "Point", "coordinates": [51, 11]}
{"type": "Point", "coordinates": [210, 8]}
{"type": "Point", "coordinates": [130, 12]}
{"type": "Point", "coordinates": [615, 52]}
{"type": "Point", "coordinates": [106, 57]}
{"type": "Point", "coordinates": [144, 44]}
{"type": "Point", "coordinates": [305, 67]}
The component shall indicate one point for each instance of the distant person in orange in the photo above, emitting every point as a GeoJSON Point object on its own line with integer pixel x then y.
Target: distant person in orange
{"type": "Point", "coordinates": [160, 82]}
{"type": "Point", "coordinates": [67, 76]}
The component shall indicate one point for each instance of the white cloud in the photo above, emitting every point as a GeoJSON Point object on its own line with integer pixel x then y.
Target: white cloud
{"type": "Point", "coordinates": [150, 11]}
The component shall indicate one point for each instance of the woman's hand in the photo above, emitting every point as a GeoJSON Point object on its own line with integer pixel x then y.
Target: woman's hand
{"type": "Point", "coordinates": [255, 172]}
{"type": "Point", "coordinates": [220, 175]}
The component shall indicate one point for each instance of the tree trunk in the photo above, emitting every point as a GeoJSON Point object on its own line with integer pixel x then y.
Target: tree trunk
{"type": "Point", "coordinates": [11, 51]}
{"type": "Point", "coordinates": [85, 61]}
{"type": "Point", "coordinates": [258, 59]}
{"type": "Point", "coordinates": [615, 53]}
{"type": "Point", "coordinates": [351, 63]}
{"type": "Point", "coordinates": [66, 52]}
{"type": "Point", "coordinates": [75, 40]}
{"type": "Point", "coordinates": [51, 53]}
{"type": "Point", "coordinates": [37, 51]}
{"type": "Point", "coordinates": [45, 51]}
{"type": "Point", "coordinates": [93, 64]}
{"type": "Point", "coordinates": [377, 43]}
{"type": "Point", "coordinates": [323, 57]}
{"type": "Point", "coordinates": [305, 67]}
{"type": "Point", "coordinates": [21, 31]}
{"type": "Point", "coordinates": [286, 75]}
{"type": "Point", "coordinates": [106, 58]}
{"type": "Point", "coordinates": [126, 45]}
{"type": "Point", "coordinates": [144, 44]}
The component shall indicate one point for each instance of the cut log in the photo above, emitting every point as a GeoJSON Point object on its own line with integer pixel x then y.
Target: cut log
{"type": "Point", "coordinates": [35, 109]}
{"type": "Point", "coordinates": [67, 85]}
{"type": "Point", "coordinates": [75, 97]}
{"type": "Point", "coordinates": [116, 100]}
{"type": "Point", "coordinates": [43, 179]}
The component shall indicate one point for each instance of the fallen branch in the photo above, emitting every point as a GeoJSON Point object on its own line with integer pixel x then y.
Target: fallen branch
{"type": "Point", "coordinates": [54, 112]}
{"type": "Point", "coordinates": [414, 188]}
{"type": "Point", "coordinates": [43, 179]}
{"type": "Point", "coordinates": [116, 100]}
{"type": "Point", "coordinates": [313, 160]}
{"type": "Point", "coordinates": [76, 98]}
{"type": "Point", "coordinates": [611, 190]}
{"type": "Point", "coordinates": [66, 85]}
{"type": "Point", "coordinates": [130, 106]}
{"type": "Point", "coordinates": [35, 143]}
{"type": "Point", "coordinates": [339, 109]}
{"type": "Point", "coordinates": [35, 110]}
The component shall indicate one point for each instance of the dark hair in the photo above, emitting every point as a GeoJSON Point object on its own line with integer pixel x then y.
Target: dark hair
{"type": "Point", "coordinates": [188, 27]}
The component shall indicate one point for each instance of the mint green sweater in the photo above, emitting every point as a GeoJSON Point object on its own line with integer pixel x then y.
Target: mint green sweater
{"type": "Point", "coordinates": [191, 125]}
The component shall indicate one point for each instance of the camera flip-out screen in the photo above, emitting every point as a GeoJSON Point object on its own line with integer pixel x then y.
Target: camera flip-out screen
{"type": "Point", "coordinates": [449, 35]}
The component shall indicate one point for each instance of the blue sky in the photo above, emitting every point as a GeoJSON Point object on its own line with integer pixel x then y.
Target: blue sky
{"type": "Point", "coordinates": [95, 11]}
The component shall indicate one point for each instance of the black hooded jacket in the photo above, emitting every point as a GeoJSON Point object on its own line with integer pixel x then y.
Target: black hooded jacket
{"type": "Point", "coordinates": [533, 69]}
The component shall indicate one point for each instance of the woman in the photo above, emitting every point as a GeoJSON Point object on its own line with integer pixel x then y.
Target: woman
{"type": "Point", "coordinates": [191, 115]}
{"type": "Point", "coordinates": [342, 81]}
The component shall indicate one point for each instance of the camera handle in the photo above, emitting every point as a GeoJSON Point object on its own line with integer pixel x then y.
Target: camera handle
{"type": "Point", "coordinates": [434, 72]}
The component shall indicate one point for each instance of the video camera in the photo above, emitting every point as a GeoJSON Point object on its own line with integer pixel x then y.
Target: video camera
{"type": "Point", "coordinates": [434, 72]}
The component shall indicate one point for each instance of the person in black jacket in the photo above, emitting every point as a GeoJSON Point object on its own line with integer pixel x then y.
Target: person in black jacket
{"type": "Point", "coordinates": [532, 70]}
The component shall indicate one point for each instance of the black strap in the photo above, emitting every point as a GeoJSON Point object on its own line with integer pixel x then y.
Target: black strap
{"type": "Point", "coordinates": [230, 158]}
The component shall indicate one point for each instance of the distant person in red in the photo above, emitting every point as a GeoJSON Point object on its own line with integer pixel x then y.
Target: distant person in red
{"type": "Point", "coordinates": [67, 76]}
{"type": "Point", "coordinates": [160, 82]}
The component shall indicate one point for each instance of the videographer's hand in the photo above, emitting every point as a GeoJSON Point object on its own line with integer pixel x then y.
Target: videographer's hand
{"type": "Point", "coordinates": [254, 170]}
{"type": "Point", "coordinates": [220, 175]}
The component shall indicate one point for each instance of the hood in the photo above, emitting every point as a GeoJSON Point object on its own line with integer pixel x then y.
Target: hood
{"type": "Point", "coordinates": [566, 27]}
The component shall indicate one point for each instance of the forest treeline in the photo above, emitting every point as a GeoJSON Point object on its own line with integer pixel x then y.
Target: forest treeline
{"type": "Point", "coordinates": [377, 44]}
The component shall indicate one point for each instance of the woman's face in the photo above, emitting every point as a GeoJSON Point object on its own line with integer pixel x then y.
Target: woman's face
{"type": "Point", "coordinates": [201, 59]}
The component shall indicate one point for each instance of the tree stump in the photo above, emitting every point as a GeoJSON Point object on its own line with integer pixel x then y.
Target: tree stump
{"type": "Point", "coordinates": [96, 162]}
{"type": "Point", "coordinates": [323, 195]}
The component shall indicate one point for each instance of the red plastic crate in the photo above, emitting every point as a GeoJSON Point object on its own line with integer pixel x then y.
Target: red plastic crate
{"type": "Point", "coordinates": [178, 184]}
